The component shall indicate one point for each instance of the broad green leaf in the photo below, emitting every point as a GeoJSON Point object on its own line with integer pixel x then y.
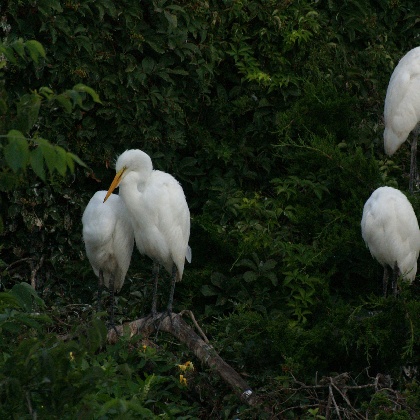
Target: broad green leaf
{"type": "Point", "coordinates": [250, 276]}
{"type": "Point", "coordinates": [83, 88]}
{"type": "Point", "coordinates": [61, 160]}
{"type": "Point", "coordinates": [46, 92]}
{"type": "Point", "coordinates": [49, 155]}
{"type": "Point", "coordinates": [148, 64]}
{"type": "Point", "coordinates": [17, 151]}
{"type": "Point", "coordinates": [269, 265]}
{"type": "Point", "coordinates": [172, 19]}
{"type": "Point", "coordinates": [3, 106]}
{"type": "Point", "coordinates": [77, 159]}
{"type": "Point", "coordinates": [9, 54]}
{"type": "Point", "coordinates": [28, 111]}
{"type": "Point", "coordinates": [35, 49]}
{"type": "Point", "coordinates": [19, 47]}
{"type": "Point", "coordinates": [37, 162]}
{"type": "Point", "coordinates": [207, 290]}
{"type": "Point", "coordinates": [64, 100]}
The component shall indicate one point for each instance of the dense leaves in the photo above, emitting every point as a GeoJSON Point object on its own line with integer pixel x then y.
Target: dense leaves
{"type": "Point", "coordinates": [269, 113]}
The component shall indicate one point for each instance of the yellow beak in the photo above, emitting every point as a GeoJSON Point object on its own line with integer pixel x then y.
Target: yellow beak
{"type": "Point", "coordinates": [115, 182]}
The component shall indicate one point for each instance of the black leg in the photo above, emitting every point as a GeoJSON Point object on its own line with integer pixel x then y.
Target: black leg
{"type": "Point", "coordinates": [171, 294]}
{"type": "Point", "coordinates": [395, 275]}
{"type": "Point", "coordinates": [385, 280]}
{"type": "Point", "coordinates": [155, 287]}
{"type": "Point", "coordinates": [100, 284]}
{"type": "Point", "coordinates": [111, 293]}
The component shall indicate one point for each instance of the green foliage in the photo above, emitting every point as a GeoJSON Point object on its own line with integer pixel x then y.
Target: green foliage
{"type": "Point", "coordinates": [270, 115]}
{"type": "Point", "coordinates": [48, 376]}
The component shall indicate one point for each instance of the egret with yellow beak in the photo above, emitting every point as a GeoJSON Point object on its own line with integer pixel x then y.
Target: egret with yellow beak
{"type": "Point", "coordinates": [159, 215]}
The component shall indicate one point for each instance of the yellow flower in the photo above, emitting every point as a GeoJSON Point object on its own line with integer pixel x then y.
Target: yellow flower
{"type": "Point", "coordinates": [144, 348]}
{"type": "Point", "coordinates": [183, 380]}
{"type": "Point", "coordinates": [189, 365]}
{"type": "Point", "coordinates": [71, 354]}
{"type": "Point", "coordinates": [186, 366]}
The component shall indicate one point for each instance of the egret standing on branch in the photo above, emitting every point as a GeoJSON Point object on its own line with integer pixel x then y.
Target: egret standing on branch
{"type": "Point", "coordinates": [402, 109]}
{"type": "Point", "coordinates": [159, 215]}
{"type": "Point", "coordinates": [109, 241]}
{"type": "Point", "coordinates": [391, 231]}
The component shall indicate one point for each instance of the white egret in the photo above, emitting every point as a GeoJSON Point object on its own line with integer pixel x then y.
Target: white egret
{"type": "Point", "coordinates": [402, 109]}
{"type": "Point", "coordinates": [159, 214]}
{"type": "Point", "coordinates": [391, 232]}
{"type": "Point", "coordinates": [109, 241]}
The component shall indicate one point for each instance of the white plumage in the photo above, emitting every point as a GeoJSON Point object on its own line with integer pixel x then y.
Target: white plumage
{"type": "Point", "coordinates": [109, 238]}
{"type": "Point", "coordinates": [158, 210]}
{"type": "Point", "coordinates": [402, 105]}
{"type": "Point", "coordinates": [391, 231]}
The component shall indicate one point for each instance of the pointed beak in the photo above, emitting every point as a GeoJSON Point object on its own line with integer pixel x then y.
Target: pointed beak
{"type": "Point", "coordinates": [115, 182]}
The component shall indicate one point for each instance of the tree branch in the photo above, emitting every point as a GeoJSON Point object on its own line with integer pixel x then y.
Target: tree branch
{"type": "Point", "coordinates": [177, 327]}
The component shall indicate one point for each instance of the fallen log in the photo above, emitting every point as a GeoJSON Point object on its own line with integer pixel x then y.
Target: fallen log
{"type": "Point", "coordinates": [177, 327]}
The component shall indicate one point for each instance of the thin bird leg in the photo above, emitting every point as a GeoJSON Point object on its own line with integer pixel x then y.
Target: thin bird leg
{"type": "Point", "coordinates": [171, 294]}
{"type": "Point", "coordinates": [414, 176]}
{"type": "Point", "coordinates": [100, 284]}
{"type": "Point", "coordinates": [395, 274]}
{"type": "Point", "coordinates": [385, 280]}
{"type": "Point", "coordinates": [155, 271]}
{"type": "Point", "coordinates": [111, 293]}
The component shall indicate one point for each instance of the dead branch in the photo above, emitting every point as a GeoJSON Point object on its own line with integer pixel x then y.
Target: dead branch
{"type": "Point", "coordinates": [34, 270]}
{"type": "Point", "coordinates": [336, 401]}
{"type": "Point", "coordinates": [177, 327]}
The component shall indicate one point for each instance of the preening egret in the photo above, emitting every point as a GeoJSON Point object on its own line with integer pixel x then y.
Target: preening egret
{"type": "Point", "coordinates": [402, 109]}
{"type": "Point", "coordinates": [159, 214]}
{"type": "Point", "coordinates": [391, 231]}
{"type": "Point", "coordinates": [109, 241]}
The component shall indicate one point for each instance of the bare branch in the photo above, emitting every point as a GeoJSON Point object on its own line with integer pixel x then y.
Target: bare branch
{"type": "Point", "coordinates": [177, 327]}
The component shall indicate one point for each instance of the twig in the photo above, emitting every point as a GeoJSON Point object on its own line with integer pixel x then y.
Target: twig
{"type": "Point", "coordinates": [333, 400]}
{"type": "Point", "coordinates": [34, 270]}
{"type": "Point", "coordinates": [191, 315]}
{"type": "Point", "coordinates": [11, 265]}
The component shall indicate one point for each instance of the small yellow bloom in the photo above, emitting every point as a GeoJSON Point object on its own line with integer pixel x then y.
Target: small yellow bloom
{"type": "Point", "coordinates": [186, 366]}
{"type": "Point", "coordinates": [183, 380]}
{"type": "Point", "coordinates": [189, 365]}
{"type": "Point", "coordinates": [71, 354]}
{"type": "Point", "coordinates": [182, 367]}
{"type": "Point", "coordinates": [144, 348]}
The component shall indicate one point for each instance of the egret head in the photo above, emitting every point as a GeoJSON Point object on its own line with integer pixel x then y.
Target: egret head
{"type": "Point", "coordinates": [133, 160]}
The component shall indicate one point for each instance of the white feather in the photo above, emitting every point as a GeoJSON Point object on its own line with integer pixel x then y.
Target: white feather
{"type": "Point", "coordinates": [391, 230]}
{"type": "Point", "coordinates": [108, 237]}
{"type": "Point", "coordinates": [402, 102]}
{"type": "Point", "coordinates": [158, 210]}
